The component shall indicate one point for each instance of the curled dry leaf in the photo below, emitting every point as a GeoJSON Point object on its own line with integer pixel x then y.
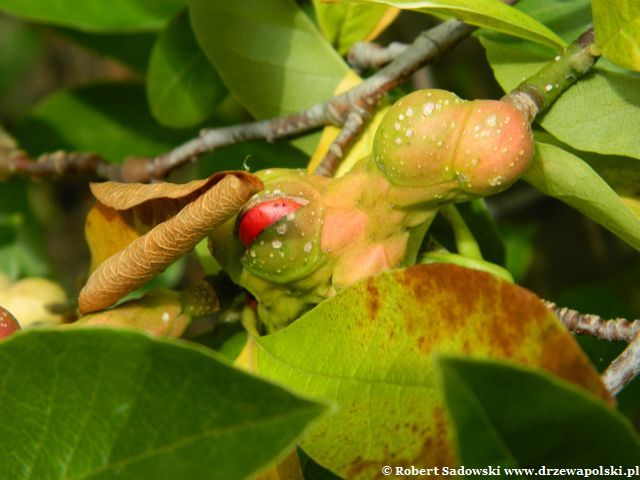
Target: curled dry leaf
{"type": "Point", "coordinates": [180, 216]}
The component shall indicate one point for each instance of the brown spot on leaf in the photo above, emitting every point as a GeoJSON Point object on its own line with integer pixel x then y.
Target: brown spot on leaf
{"type": "Point", "coordinates": [373, 298]}
{"type": "Point", "coordinates": [437, 448]}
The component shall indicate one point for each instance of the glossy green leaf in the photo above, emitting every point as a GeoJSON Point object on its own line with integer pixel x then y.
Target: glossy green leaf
{"type": "Point", "coordinates": [346, 24]}
{"type": "Point", "coordinates": [110, 119]}
{"type": "Point", "coordinates": [490, 14]}
{"type": "Point", "coordinates": [560, 174]}
{"type": "Point", "coordinates": [115, 15]}
{"type": "Point", "coordinates": [269, 54]}
{"type": "Point", "coordinates": [542, 421]}
{"type": "Point", "coordinates": [601, 112]}
{"type": "Point", "coordinates": [182, 87]}
{"type": "Point", "coordinates": [567, 18]}
{"type": "Point", "coordinates": [104, 403]}
{"type": "Point", "coordinates": [623, 176]}
{"type": "Point", "coordinates": [372, 348]}
{"type": "Point", "coordinates": [617, 28]}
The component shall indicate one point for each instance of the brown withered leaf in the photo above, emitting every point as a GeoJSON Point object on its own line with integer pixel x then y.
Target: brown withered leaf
{"type": "Point", "coordinates": [158, 312]}
{"type": "Point", "coordinates": [125, 211]}
{"type": "Point", "coordinates": [180, 216]}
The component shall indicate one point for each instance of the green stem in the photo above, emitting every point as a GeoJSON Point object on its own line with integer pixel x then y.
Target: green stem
{"type": "Point", "coordinates": [539, 91]}
{"type": "Point", "coordinates": [475, 264]}
{"type": "Point", "coordinates": [465, 241]}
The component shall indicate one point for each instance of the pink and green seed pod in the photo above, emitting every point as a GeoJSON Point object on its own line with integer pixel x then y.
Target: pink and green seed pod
{"type": "Point", "coordinates": [432, 137]}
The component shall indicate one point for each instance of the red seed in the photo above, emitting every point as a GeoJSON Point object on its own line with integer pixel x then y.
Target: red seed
{"type": "Point", "coordinates": [8, 323]}
{"type": "Point", "coordinates": [263, 215]}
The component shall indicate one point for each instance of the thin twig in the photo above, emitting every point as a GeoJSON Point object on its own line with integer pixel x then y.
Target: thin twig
{"type": "Point", "coordinates": [365, 55]}
{"type": "Point", "coordinates": [349, 133]}
{"type": "Point", "coordinates": [624, 368]}
{"type": "Point", "coordinates": [56, 164]}
{"type": "Point", "coordinates": [618, 329]}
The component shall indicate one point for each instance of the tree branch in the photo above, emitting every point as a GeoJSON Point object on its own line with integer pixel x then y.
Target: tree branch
{"type": "Point", "coordinates": [364, 55]}
{"type": "Point", "coordinates": [350, 109]}
{"type": "Point", "coordinates": [624, 368]}
{"type": "Point", "coordinates": [617, 329]}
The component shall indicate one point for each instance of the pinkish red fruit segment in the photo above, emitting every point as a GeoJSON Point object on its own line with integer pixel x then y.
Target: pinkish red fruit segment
{"type": "Point", "coordinates": [8, 323]}
{"type": "Point", "coordinates": [263, 215]}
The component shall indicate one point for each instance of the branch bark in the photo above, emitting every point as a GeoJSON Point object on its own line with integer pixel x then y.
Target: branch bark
{"type": "Point", "coordinates": [618, 329]}
{"type": "Point", "coordinates": [624, 368]}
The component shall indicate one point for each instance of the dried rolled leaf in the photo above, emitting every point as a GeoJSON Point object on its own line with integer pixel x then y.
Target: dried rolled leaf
{"type": "Point", "coordinates": [153, 252]}
{"type": "Point", "coordinates": [126, 211]}
{"type": "Point", "coordinates": [146, 205]}
{"type": "Point", "coordinates": [122, 196]}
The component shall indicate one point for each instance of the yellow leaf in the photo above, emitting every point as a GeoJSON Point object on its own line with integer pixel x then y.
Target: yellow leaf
{"type": "Point", "coordinates": [386, 20]}
{"type": "Point", "coordinates": [107, 232]}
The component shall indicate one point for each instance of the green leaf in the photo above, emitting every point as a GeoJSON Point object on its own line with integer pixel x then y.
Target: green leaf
{"type": "Point", "coordinates": [600, 113]}
{"type": "Point", "coordinates": [105, 403]}
{"type": "Point", "coordinates": [558, 173]}
{"type": "Point", "coordinates": [371, 349]}
{"type": "Point", "coordinates": [568, 19]}
{"type": "Point", "coordinates": [22, 252]}
{"type": "Point", "coordinates": [544, 421]}
{"type": "Point", "coordinates": [22, 45]}
{"type": "Point", "coordinates": [182, 87]}
{"type": "Point", "coordinates": [130, 49]}
{"type": "Point", "coordinates": [623, 176]}
{"type": "Point", "coordinates": [617, 28]}
{"type": "Point", "coordinates": [115, 15]}
{"type": "Point", "coordinates": [344, 24]}
{"type": "Point", "coordinates": [110, 119]}
{"type": "Point", "coordinates": [490, 14]}
{"type": "Point", "coordinates": [269, 55]}
{"type": "Point", "coordinates": [484, 229]}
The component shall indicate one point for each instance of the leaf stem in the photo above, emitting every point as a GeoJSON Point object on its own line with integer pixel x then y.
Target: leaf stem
{"type": "Point", "coordinates": [465, 241]}
{"type": "Point", "coordinates": [463, 261]}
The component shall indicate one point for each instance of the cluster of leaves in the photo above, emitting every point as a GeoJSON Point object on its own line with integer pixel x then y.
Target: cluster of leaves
{"type": "Point", "coordinates": [383, 361]}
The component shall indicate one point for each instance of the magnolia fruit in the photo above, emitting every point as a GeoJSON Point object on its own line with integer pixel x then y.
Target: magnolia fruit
{"type": "Point", "coordinates": [304, 237]}
{"type": "Point", "coordinates": [8, 323]}
{"type": "Point", "coordinates": [432, 137]}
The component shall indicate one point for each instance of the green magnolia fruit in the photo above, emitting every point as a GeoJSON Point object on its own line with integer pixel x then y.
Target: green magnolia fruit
{"type": "Point", "coordinates": [304, 237]}
{"type": "Point", "coordinates": [432, 137]}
